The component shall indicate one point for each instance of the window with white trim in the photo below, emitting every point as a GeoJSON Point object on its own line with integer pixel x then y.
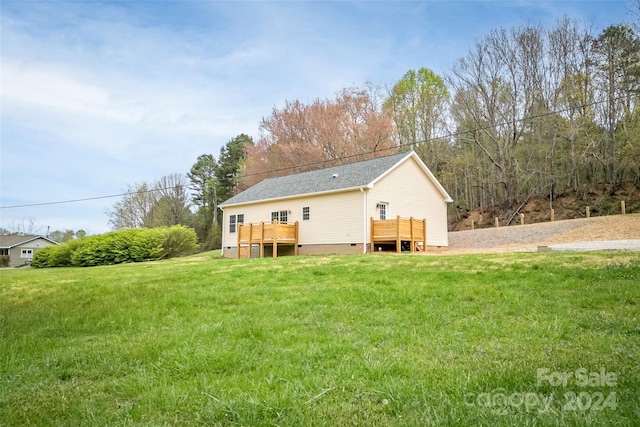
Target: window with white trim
{"type": "Point", "coordinates": [306, 213]}
{"type": "Point", "coordinates": [281, 216]}
{"type": "Point", "coordinates": [234, 220]}
{"type": "Point", "coordinates": [27, 253]}
{"type": "Point", "coordinates": [382, 210]}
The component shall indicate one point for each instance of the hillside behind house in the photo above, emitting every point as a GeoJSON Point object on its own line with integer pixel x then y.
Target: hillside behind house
{"type": "Point", "coordinates": [602, 200]}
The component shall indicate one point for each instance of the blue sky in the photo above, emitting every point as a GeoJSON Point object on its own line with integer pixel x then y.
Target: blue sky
{"type": "Point", "coordinates": [98, 95]}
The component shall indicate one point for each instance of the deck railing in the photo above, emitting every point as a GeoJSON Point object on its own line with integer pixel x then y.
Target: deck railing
{"type": "Point", "coordinates": [389, 231]}
{"type": "Point", "coordinates": [395, 231]}
{"type": "Point", "coordinates": [267, 234]}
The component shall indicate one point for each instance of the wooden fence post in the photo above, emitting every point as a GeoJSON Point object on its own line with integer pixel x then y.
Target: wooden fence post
{"type": "Point", "coordinates": [497, 222]}
{"type": "Point", "coordinates": [472, 224]}
{"type": "Point", "coordinates": [553, 215]}
{"type": "Point", "coordinates": [588, 211]}
{"type": "Point", "coordinates": [521, 219]}
{"type": "Point", "coordinates": [623, 207]}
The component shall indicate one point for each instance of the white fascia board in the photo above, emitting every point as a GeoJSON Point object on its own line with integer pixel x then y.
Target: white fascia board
{"type": "Point", "coordinates": [298, 196]}
{"type": "Point", "coordinates": [29, 241]}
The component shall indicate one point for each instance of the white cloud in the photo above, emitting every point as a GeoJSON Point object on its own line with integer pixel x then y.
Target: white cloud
{"type": "Point", "coordinates": [45, 87]}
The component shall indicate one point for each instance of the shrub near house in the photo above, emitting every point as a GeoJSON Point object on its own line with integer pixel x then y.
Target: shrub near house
{"type": "Point", "coordinates": [131, 245]}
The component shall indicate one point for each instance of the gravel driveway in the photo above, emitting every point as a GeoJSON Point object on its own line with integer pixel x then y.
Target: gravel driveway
{"type": "Point", "coordinates": [601, 245]}
{"type": "Point", "coordinates": [600, 233]}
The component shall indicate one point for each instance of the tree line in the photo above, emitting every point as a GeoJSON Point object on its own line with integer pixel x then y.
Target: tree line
{"type": "Point", "coordinates": [29, 228]}
{"type": "Point", "coordinates": [527, 110]}
{"type": "Point", "coordinates": [189, 199]}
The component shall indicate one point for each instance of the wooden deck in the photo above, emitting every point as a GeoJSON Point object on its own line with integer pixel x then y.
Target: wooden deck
{"type": "Point", "coordinates": [262, 234]}
{"type": "Point", "coordinates": [383, 232]}
{"type": "Point", "coordinates": [398, 230]}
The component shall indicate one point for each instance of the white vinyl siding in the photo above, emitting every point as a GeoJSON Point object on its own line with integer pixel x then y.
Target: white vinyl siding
{"type": "Point", "coordinates": [337, 218]}
{"type": "Point", "coordinates": [411, 193]}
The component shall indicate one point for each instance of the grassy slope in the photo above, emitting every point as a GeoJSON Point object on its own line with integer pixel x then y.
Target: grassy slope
{"type": "Point", "coordinates": [352, 340]}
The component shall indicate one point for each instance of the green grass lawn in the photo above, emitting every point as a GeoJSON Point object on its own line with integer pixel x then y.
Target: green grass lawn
{"type": "Point", "coordinates": [338, 340]}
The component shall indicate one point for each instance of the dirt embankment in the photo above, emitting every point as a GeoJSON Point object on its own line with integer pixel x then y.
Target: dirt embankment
{"type": "Point", "coordinates": [602, 200]}
{"type": "Point", "coordinates": [527, 237]}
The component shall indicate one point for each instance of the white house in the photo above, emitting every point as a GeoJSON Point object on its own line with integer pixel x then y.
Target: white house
{"type": "Point", "coordinates": [334, 207]}
{"type": "Point", "coordinates": [18, 250]}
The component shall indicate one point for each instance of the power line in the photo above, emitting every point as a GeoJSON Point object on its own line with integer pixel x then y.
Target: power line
{"type": "Point", "coordinates": [445, 136]}
{"type": "Point", "coordinates": [308, 165]}
{"type": "Point", "coordinates": [60, 202]}
{"type": "Point", "coordinates": [64, 201]}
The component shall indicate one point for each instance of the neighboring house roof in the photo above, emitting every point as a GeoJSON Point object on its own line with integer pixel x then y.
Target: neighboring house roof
{"type": "Point", "coordinates": [349, 176]}
{"type": "Point", "coordinates": [8, 242]}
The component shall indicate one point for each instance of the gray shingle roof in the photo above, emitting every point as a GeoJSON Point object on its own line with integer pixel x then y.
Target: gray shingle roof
{"type": "Point", "coordinates": [351, 175]}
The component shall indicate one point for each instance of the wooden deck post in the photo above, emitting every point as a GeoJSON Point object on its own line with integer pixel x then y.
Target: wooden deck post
{"type": "Point", "coordinates": [261, 239]}
{"type": "Point", "coordinates": [275, 238]}
{"type": "Point", "coordinates": [238, 242]}
{"type": "Point", "coordinates": [413, 242]}
{"type": "Point", "coordinates": [250, 240]}
{"type": "Point", "coordinates": [386, 232]}
{"type": "Point", "coordinates": [372, 246]}
{"type": "Point", "coordinates": [398, 238]}
{"type": "Point", "coordinates": [424, 242]}
{"type": "Point", "coordinates": [250, 234]}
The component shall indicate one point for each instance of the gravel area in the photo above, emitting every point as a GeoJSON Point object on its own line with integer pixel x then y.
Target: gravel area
{"type": "Point", "coordinates": [529, 237]}
{"type": "Point", "coordinates": [600, 245]}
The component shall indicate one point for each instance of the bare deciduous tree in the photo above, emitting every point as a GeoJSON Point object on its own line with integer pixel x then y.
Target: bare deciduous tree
{"type": "Point", "coordinates": [163, 203]}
